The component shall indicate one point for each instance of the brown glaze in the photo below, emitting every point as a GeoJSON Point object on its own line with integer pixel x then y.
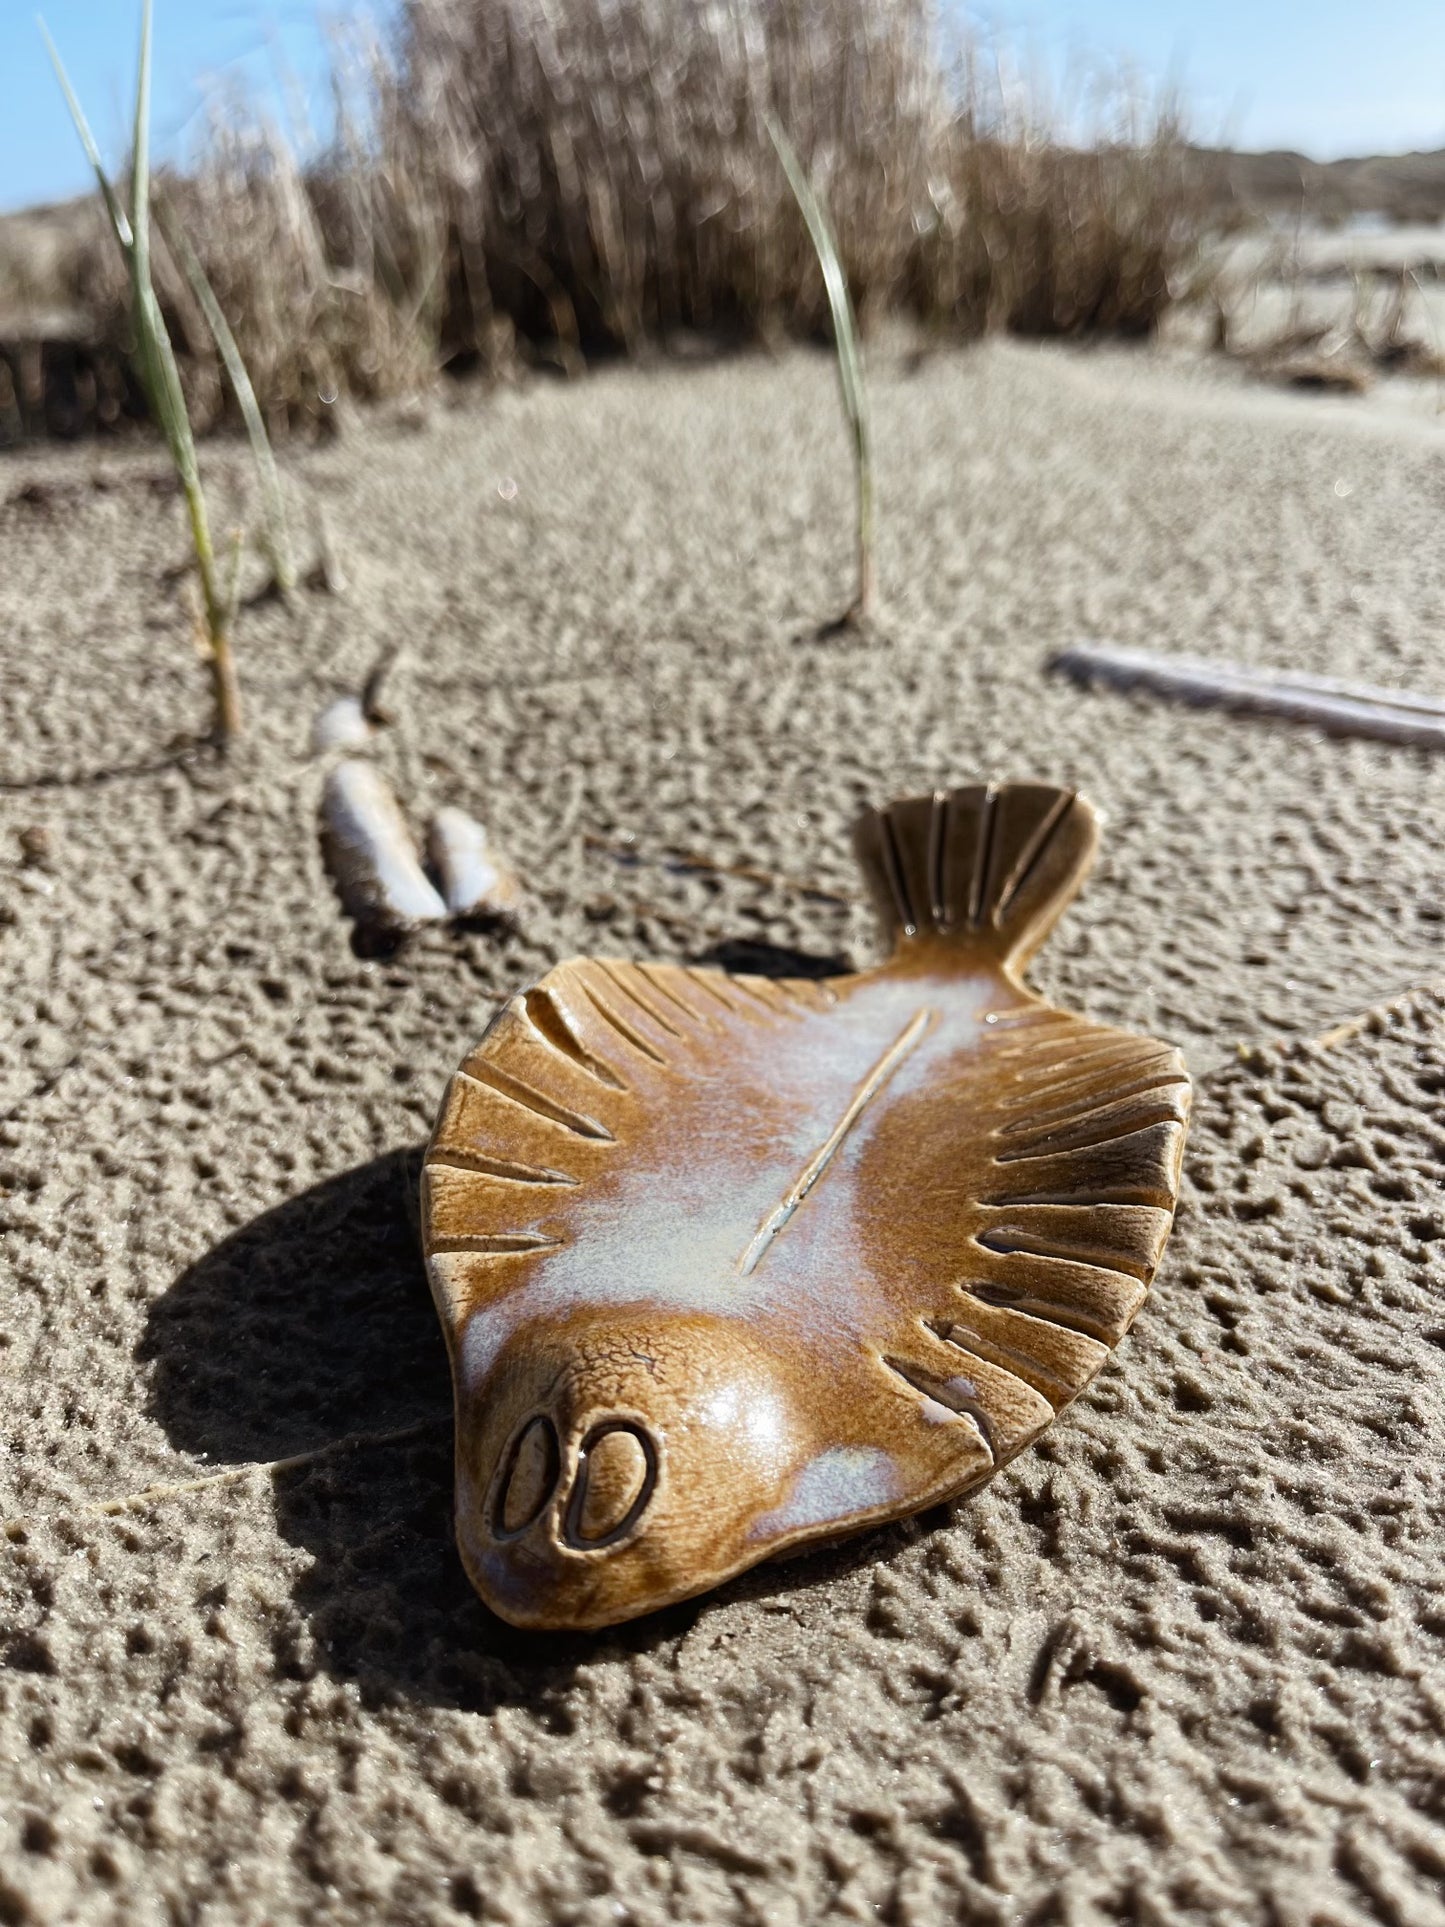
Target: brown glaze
{"type": "Point", "coordinates": [728, 1265]}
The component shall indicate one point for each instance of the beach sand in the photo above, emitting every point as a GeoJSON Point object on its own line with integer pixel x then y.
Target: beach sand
{"type": "Point", "coordinates": [1184, 1661]}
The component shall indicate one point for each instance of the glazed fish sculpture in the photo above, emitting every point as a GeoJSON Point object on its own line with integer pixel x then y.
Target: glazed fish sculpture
{"type": "Point", "coordinates": [728, 1265]}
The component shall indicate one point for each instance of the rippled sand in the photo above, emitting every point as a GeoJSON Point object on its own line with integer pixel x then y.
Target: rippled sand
{"type": "Point", "coordinates": [1183, 1662]}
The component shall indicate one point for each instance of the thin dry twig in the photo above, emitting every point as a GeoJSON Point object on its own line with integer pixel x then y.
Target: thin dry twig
{"type": "Point", "coordinates": [692, 863]}
{"type": "Point", "coordinates": [177, 1488]}
{"type": "Point", "coordinates": [1381, 1014]}
{"type": "Point", "coordinates": [180, 758]}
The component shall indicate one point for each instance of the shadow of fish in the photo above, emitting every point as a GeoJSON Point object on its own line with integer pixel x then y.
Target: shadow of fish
{"type": "Point", "coordinates": [729, 1264]}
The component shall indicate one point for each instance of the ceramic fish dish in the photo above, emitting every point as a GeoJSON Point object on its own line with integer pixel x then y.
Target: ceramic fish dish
{"type": "Point", "coordinates": [729, 1265]}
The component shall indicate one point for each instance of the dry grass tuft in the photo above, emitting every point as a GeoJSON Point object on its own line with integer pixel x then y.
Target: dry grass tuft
{"type": "Point", "coordinates": [604, 168]}
{"type": "Point", "coordinates": [561, 178]}
{"type": "Point", "coordinates": [1387, 329]}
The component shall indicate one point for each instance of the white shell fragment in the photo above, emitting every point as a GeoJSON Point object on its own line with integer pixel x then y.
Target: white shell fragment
{"type": "Point", "coordinates": [343, 724]}
{"type": "Point", "coordinates": [474, 881]}
{"type": "Point", "coordinates": [370, 854]}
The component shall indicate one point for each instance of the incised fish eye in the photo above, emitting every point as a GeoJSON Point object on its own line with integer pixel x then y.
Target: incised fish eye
{"type": "Point", "coordinates": [616, 1472]}
{"type": "Point", "coordinates": [530, 1479]}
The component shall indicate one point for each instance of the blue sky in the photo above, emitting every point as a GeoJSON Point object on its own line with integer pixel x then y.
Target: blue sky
{"type": "Point", "coordinates": [1328, 76]}
{"type": "Point", "coordinates": [199, 45]}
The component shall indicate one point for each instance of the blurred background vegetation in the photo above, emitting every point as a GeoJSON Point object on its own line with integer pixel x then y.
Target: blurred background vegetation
{"type": "Point", "coordinates": [508, 182]}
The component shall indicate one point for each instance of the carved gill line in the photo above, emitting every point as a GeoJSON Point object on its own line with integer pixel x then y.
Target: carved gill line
{"type": "Point", "coordinates": [766, 990]}
{"type": "Point", "coordinates": [479, 1070]}
{"type": "Point", "coordinates": [620, 1024]}
{"type": "Point", "coordinates": [937, 853]}
{"type": "Point", "coordinates": [1033, 853]}
{"type": "Point", "coordinates": [1033, 1305]}
{"type": "Point", "coordinates": [1087, 1104]}
{"type": "Point", "coordinates": [1063, 1060]}
{"type": "Point", "coordinates": [1064, 1124]}
{"type": "Point", "coordinates": [498, 1244]}
{"type": "Point", "coordinates": [711, 982]}
{"type": "Point", "coordinates": [454, 1158]}
{"type": "Point", "coordinates": [1088, 1056]}
{"type": "Point", "coordinates": [1017, 1363]}
{"type": "Point", "coordinates": [1097, 1085]}
{"type": "Point", "coordinates": [893, 870]}
{"type": "Point", "coordinates": [621, 978]}
{"type": "Point", "coordinates": [1058, 1141]}
{"type": "Point", "coordinates": [1045, 1048]}
{"type": "Point", "coordinates": [806, 993]}
{"type": "Point", "coordinates": [983, 857]}
{"type": "Point", "coordinates": [787, 989]}
{"type": "Point", "coordinates": [549, 1022]}
{"type": "Point", "coordinates": [939, 1392]}
{"type": "Point", "coordinates": [752, 987]}
{"type": "Point", "coordinates": [1151, 1073]}
{"type": "Point", "coordinates": [1086, 1197]}
{"type": "Point", "coordinates": [903, 1046]}
{"type": "Point", "coordinates": [657, 980]}
{"type": "Point", "coordinates": [1010, 1240]}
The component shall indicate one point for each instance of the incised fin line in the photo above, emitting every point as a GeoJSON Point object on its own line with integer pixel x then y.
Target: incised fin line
{"type": "Point", "coordinates": [903, 1046]}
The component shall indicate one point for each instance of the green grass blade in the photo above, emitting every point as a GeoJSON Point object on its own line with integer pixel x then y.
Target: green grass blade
{"type": "Point", "coordinates": [845, 335]}
{"type": "Point", "coordinates": [835, 282]}
{"type": "Point", "coordinates": [163, 378]}
{"type": "Point", "coordinates": [157, 356]}
{"type": "Point", "coordinates": [108, 194]}
{"type": "Point", "coordinates": [140, 157]}
{"type": "Point", "coordinates": [153, 349]}
{"type": "Point", "coordinates": [156, 361]}
{"type": "Point", "coordinates": [169, 401]}
{"type": "Point", "coordinates": [278, 547]}
{"type": "Point", "coordinates": [162, 381]}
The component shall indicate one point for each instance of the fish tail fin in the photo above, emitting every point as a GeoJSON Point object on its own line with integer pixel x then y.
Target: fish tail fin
{"type": "Point", "coordinates": [989, 868]}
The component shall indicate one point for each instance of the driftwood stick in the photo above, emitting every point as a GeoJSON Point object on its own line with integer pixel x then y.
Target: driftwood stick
{"type": "Point", "coordinates": [1340, 708]}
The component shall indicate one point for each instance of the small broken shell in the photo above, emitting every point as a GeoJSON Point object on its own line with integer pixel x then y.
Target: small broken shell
{"type": "Point", "coordinates": [369, 851]}
{"type": "Point", "coordinates": [474, 881]}
{"type": "Point", "coordinates": [37, 847]}
{"type": "Point", "coordinates": [343, 724]}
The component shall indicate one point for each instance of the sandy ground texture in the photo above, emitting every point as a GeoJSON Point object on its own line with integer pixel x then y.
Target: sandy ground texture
{"type": "Point", "coordinates": [1185, 1661]}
